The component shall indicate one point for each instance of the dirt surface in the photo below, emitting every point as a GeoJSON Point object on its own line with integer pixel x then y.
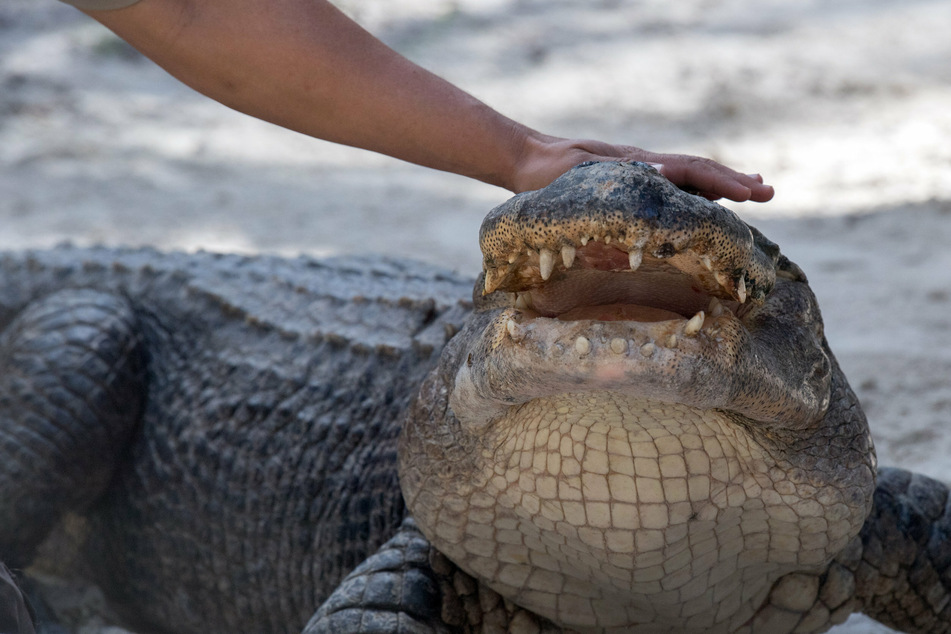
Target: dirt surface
{"type": "Point", "coordinates": [845, 107]}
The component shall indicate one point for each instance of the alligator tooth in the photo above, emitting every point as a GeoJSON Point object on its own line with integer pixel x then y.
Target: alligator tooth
{"type": "Point", "coordinates": [516, 332]}
{"type": "Point", "coordinates": [741, 289]}
{"type": "Point", "coordinates": [722, 279]}
{"type": "Point", "coordinates": [634, 258]}
{"type": "Point", "coordinates": [693, 326]}
{"type": "Point", "coordinates": [716, 308]}
{"type": "Point", "coordinates": [618, 345]}
{"type": "Point", "coordinates": [672, 341]}
{"type": "Point", "coordinates": [494, 277]}
{"type": "Point", "coordinates": [513, 257]}
{"type": "Point", "coordinates": [705, 261]}
{"type": "Point", "coordinates": [546, 263]}
{"type": "Point", "coordinates": [568, 255]}
{"type": "Point", "coordinates": [523, 301]}
{"type": "Point", "coordinates": [582, 345]}
{"type": "Point", "coordinates": [648, 349]}
{"type": "Point", "coordinates": [584, 240]}
{"type": "Point", "coordinates": [607, 238]}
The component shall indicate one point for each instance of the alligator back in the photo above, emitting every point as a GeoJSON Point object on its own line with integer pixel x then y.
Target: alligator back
{"type": "Point", "coordinates": [260, 465]}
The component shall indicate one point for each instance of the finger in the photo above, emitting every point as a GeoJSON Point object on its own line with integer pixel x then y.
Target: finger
{"type": "Point", "coordinates": [718, 181]}
{"type": "Point", "coordinates": [712, 180]}
{"type": "Point", "coordinates": [759, 192]}
{"type": "Point", "coordinates": [762, 193]}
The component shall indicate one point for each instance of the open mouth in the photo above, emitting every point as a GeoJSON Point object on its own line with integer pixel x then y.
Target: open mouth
{"type": "Point", "coordinates": [613, 281]}
{"type": "Point", "coordinates": [669, 293]}
{"type": "Point", "coordinates": [624, 247]}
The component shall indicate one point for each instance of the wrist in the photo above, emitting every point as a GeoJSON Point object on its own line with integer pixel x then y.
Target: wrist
{"type": "Point", "coordinates": [522, 150]}
{"type": "Point", "coordinates": [544, 158]}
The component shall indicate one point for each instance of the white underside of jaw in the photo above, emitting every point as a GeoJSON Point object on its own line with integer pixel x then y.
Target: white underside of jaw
{"type": "Point", "coordinates": [610, 512]}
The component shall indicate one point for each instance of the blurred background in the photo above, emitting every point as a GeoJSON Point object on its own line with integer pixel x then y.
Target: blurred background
{"type": "Point", "coordinates": [844, 107]}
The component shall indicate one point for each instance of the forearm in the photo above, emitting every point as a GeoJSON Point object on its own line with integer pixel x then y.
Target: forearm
{"type": "Point", "coordinates": [304, 65]}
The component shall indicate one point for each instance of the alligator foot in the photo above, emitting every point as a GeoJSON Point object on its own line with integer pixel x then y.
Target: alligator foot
{"type": "Point", "coordinates": [903, 578]}
{"type": "Point", "coordinates": [394, 590]}
{"type": "Point", "coordinates": [71, 375]}
{"type": "Point", "coordinates": [408, 587]}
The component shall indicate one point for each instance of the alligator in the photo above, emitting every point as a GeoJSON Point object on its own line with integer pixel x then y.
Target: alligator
{"type": "Point", "coordinates": [634, 423]}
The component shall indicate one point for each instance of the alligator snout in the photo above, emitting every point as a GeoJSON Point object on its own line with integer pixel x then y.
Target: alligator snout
{"type": "Point", "coordinates": [622, 217]}
{"type": "Point", "coordinates": [613, 280]}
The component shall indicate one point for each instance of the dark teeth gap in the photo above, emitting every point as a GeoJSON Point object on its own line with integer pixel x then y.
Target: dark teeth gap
{"type": "Point", "coordinates": [603, 257]}
{"type": "Point", "coordinates": [651, 294]}
{"type": "Point", "coordinates": [605, 280]}
{"type": "Point", "coordinates": [601, 285]}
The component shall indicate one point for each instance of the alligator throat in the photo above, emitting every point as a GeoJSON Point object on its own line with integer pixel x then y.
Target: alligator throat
{"type": "Point", "coordinates": [601, 510]}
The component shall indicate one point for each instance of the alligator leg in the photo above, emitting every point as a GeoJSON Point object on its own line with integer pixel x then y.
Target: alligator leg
{"type": "Point", "coordinates": [408, 587]}
{"type": "Point", "coordinates": [904, 576]}
{"type": "Point", "coordinates": [71, 389]}
{"type": "Point", "coordinates": [897, 570]}
{"type": "Point", "coordinates": [395, 590]}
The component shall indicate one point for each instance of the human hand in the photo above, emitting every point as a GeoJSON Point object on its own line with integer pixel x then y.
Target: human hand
{"type": "Point", "coordinates": [546, 158]}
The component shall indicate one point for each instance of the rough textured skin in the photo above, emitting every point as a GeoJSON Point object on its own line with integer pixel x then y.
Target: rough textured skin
{"type": "Point", "coordinates": [639, 428]}
{"type": "Point", "coordinates": [636, 473]}
{"type": "Point", "coordinates": [227, 424]}
{"type": "Point", "coordinates": [898, 570]}
{"type": "Point", "coordinates": [408, 586]}
{"type": "Point", "coordinates": [905, 567]}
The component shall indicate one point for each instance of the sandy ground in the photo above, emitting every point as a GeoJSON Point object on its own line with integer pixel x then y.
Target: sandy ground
{"type": "Point", "coordinates": [845, 107]}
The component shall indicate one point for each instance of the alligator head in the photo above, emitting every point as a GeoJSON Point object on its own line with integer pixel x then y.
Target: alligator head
{"type": "Point", "coordinates": [641, 424]}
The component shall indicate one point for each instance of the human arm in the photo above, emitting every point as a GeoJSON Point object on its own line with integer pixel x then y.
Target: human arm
{"type": "Point", "coordinates": [304, 65]}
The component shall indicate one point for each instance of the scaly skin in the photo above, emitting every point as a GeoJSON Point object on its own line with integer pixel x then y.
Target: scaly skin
{"type": "Point", "coordinates": [640, 428]}
{"type": "Point", "coordinates": [644, 473]}
{"type": "Point", "coordinates": [225, 426]}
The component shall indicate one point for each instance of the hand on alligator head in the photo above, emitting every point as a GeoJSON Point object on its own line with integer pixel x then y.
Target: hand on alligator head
{"type": "Point", "coordinates": [633, 427]}
{"type": "Point", "coordinates": [544, 158]}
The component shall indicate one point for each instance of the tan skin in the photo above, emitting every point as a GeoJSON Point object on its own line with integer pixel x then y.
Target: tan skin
{"type": "Point", "coordinates": [304, 65]}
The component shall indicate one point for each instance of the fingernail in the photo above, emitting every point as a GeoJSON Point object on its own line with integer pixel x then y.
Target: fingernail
{"type": "Point", "coordinates": [657, 166]}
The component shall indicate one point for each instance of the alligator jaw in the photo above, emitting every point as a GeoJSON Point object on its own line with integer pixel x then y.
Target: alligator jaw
{"type": "Point", "coordinates": [670, 303]}
{"type": "Point", "coordinates": [626, 217]}
{"type": "Point", "coordinates": [529, 268]}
